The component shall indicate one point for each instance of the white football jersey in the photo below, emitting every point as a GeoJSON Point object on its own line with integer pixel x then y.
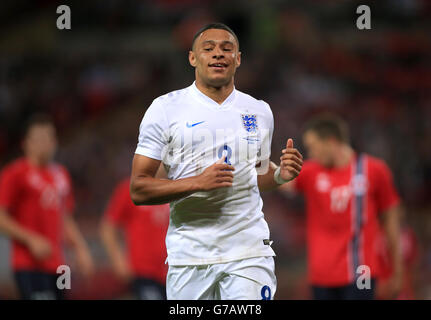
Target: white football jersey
{"type": "Point", "coordinates": [188, 132]}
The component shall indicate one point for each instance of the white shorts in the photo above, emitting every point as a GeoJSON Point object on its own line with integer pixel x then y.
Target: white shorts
{"type": "Point", "coordinates": [247, 279]}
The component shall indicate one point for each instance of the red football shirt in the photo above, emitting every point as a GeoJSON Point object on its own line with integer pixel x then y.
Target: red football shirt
{"type": "Point", "coordinates": [342, 207]}
{"type": "Point", "coordinates": [145, 228]}
{"type": "Point", "coordinates": [37, 197]}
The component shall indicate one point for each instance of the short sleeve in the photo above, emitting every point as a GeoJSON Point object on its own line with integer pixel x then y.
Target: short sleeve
{"type": "Point", "coordinates": [267, 132]}
{"type": "Point", "coordinates": [9, 187]}
{"type": "Point", "coordinates": [117, 210]}
{"type": "Point", "coordinates": [153, 132]}
{"type": "Point", "coordinates": [386, 195]}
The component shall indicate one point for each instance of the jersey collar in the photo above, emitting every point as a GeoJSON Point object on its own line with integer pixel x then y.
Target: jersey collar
{"type": "Point", "coordinates": [227, 103]}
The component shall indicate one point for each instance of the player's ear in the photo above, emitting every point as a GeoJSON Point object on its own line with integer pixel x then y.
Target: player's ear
{"type": "Point", "coordinates": [238, 59]}
{"type": "Point", "coordinates": [192, 58]}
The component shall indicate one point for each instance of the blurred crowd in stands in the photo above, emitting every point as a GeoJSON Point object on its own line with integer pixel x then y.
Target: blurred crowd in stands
{"type": "Point", "coordinates": [97, 79]}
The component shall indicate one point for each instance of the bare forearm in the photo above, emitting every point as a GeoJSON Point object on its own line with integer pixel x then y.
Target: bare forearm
{"type": "Point", "coordinates": [266, 181]}
{"type": "Point", "coordinates": [108, 235]}
{"type": "Point", "coordinates": [73, 235]}
{"type": "Point", "coordinates": [150, 191]}
{"type": "Point", "coordinates": [393, 234]}
{"type": "Point", "coordinates": [147, 189]}
{"type": "Point", "coordinates": [12, 229]}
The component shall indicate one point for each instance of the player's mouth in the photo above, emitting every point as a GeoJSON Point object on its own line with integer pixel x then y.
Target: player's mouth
{"type": "Point", "coordinates": [218, 66]}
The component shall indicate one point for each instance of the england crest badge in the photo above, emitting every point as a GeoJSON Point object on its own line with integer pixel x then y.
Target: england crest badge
{"type": "Point", "coordinates": [249, 121]}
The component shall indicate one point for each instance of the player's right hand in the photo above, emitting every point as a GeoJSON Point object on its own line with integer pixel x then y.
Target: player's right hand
{"type": "Point", "coordinates": [218, 175]}
{"type": "Point", "coordinates": [39, 247]}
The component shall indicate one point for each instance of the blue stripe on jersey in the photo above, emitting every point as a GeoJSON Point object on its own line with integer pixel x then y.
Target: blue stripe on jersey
{"type": "Point", "coordinates": [357, 218]}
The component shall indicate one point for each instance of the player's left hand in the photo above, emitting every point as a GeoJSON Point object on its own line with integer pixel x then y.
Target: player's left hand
{"type": "Point", "coordinates": [290, 162]}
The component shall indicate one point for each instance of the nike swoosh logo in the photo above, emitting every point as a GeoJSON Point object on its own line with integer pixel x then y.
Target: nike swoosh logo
{"type": "Point", "coordinates": [194, 124]}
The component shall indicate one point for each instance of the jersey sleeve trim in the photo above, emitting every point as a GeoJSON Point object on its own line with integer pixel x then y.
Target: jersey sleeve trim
{"type": "Point", "coordinates": [148, 153]}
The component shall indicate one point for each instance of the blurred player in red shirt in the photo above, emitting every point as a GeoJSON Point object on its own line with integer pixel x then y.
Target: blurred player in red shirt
{"type": "Point", "coordinates": [348, 196]}
{"type": "Point", "coordinates": [36, 205]}
{"type": "Point", "coordinates": [145, 230]}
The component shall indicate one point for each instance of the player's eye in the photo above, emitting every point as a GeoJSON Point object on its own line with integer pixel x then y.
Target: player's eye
{"type": "Point", "coordinates": [227, 49]}
{"type": "Point", "coordinates": [207, 49]}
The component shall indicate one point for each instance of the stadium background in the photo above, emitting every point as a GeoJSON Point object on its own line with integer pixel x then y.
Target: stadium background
{"type": "Point", "coordinates": [97, 79]}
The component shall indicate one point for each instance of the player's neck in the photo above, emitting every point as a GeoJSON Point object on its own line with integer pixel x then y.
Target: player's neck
{"type": "Point", "coordinates": [344, 156]}
{"type": "Point", "coordinates": [36, 161]}
{"type": "Point", "coordinates": [218, 94]}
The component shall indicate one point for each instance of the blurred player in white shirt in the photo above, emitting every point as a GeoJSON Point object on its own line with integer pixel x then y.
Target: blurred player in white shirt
{"type": "Point", "coordinates": [214, 142]}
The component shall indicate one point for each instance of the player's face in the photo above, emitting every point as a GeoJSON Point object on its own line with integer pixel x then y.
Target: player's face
{"type": "Point", "coordinates": [41, 142]}
{"type": "Point", "coordinates": [215, 56]}
{"type": "Point", "coordinates": [318, 149]}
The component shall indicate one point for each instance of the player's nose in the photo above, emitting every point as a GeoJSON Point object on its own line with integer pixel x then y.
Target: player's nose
{"type": "Point", "coordinates": [218, 56]}
{"type": "Point", "coordinates": [218, 53]}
